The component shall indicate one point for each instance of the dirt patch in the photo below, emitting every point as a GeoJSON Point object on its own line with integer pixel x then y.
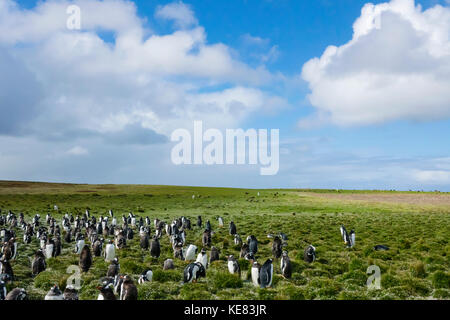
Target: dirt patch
{"type": "Point", "coordinates": [406, 198]}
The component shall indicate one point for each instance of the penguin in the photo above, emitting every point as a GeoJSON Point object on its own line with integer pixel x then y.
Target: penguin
{"type": "Point", "coordinates": [106, 292]}
{"type": "Point", "coordinates": [233, 266]}
{"type": "Point", "coordinates": [237, 240]}
{"type": "Point", "coordinates": [266, 274]}
{"type": "Point", "coordinates": [276, 247]}
{"type": "Point", "coordinates": [79, 246]}
{"type": "Point", "coordinates": [9, 249]}
{"type": "Point", "coordinates": [70, 293]}
{"type": "Point", "coordinates": [193, 272]}
{"type": "Point", "coordinates": [252, 244]}
{"type": "Point", "coordinates": [344, 235]}
{"type": "Point", "coordinates": [351, 237]}
{"type": "Point", "coordinates": [17, 294]}
{"type": "Point", "coordinates": [232, 228]}
{"type": "Point", "coordinates": [128, 289]}
{"type": "Point", "coordinates": [68, 236]}
{"type": "Point", "coordinates": [203, 258]}
{"type": "Point", "coordinates": [110, 251]}
{"type": "Point", "coordinates": [286, 266]}
{"type": "Point", "coordinates": [3, 291]}
{"type": "Point", "coordinates": [85, 258]}
{"type": "Point", "coordinates": [191, 252]}
{"type": "Point", "coordinates": [5, 268]}
{"type": "Point", "coordinates": [144, 243]}
{"type": "Point", "coordinates": [214, 255]}
{"type": "Point", "coordinates": [114, 268]}
{"type": "Point", "coordinates": [256, 267]}
{"type": "Point", "coordinates": [49, 248]}
{"type": "Point", "coordinates": [208, 225]}
{"type": "Point", "coordinates": [145, 276]}
{"type": "Point", "coordinates": [220, 222]}
{"type": "Point", "coordinates": [155, 249]}
{"type": "Point", "coordinates": [199, 221]}
{"type": "Point", "coordinates": [310, 254]}
{"type": "Point", "coordinates": [380, 247]}
{"type": "Point", "coordinates": [57, 246]}
{"type": "Point", "coordinates": [244, 250]}
{"type": "Point", "coordinates": [38, 264]}
{"type": "Point", "coordinates": [206, 238]}
{"type": "Point", "coordinates": [97, 247]}
{"type": "Point", "coordinates": [54, 294]}
{"type": "Point", "coordinates": [168, 264]}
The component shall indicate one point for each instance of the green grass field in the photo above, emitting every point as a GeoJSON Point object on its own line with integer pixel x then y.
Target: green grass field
{"type": "Point", "coordinates": [415, 225]}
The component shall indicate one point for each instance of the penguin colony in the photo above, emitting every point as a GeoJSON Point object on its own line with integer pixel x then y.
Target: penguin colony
{"type": "Point", "coordinates": [104, 236]}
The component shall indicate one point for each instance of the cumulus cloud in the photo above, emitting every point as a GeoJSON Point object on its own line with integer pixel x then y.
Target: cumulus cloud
{"type": "Point", "coordinates": [180, 13]}
{"type": "Point", "coordinates": [395, 67]}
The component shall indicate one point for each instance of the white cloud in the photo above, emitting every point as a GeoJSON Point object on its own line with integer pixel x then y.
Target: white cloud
{"type": "Point", "coordinates": [180, 13]}
{"type": "Point", "coordinates": [397, 66]}
{"type": "Point", "coordinates": [77, 151]}
{"type": "Point", "coordinates": [438, 177]}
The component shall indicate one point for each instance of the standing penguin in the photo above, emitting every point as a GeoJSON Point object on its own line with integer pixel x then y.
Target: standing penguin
{"type": "Point", "coordinates": [214, 255]}
{"type": "Point", "coordinates": [70, 293]}
{"type": "Point", "coordinates": [351, 237]}
{"type": "Point", "coordinates": [114, 268]}
{"type": "Point", "coordinates": [128, 290]}
{"type": "Point", "coordinates": [220, 222]}
{"type": "Point", "coordinates": [168, 264]}
{"type": "Point", "coordinates": [106, 292]}
{"type": "Point", "coordinates": [276, 247]}
{"type": "Point", "coordinates": [244, 250]}
{"type": "Point", "coordinates": [232, 228]}
{"type": "Point", "coordinates": [199, 221]}
{"type": "Point", "coordinates": [237, 240]}
{"type": "Point", "coordinates": [203, 258]}
{"type": "Point", "coordinates": [344, 235]}
{"type": "Point", "coordinates": [310, 254]}
{"type": "Point", "coordinates": [252, 244]}
{"type": "Point", "coordinates": [57, 246]}
{"type": "Point", "coordinates": [79, 246]}
{"type": "Point", "coordinates": [191, 252]}
{"type": "Point", "coordinates": [256, 267]}
{"type": "Point", "coordinates": [85, 258]}
{"type": "Point", "coordinates": [155, 249]}
{"type": "Point", "coordinates": [208, 225]}
{"type": "Point", "coordinates": [233, 266]}
{"type": "Point", "coordinates": [5, 268]}
{"type": "Point", "coordinates": [266, 274]}
{"type": "Point", "coordinates": [49, 247]}
{"type": "Point", "coordinates": [145, 276]}
{"type": "Point", "coordinates": [97, 247]}
{"type": "Point", "coordinates": [54, 294]}
{"type": "Point", "coordinates": [206, 238]}
{"type": "Point", "coordinates": [38, 265]}
{"type": "Point", "coordinates": [144, 243]}
{"type": "Point", "coordinates": [193, 271]}
{"type": "Point", "coordinates": [110, 251]}
{"type": "Point", "coordinates": [286, 266]}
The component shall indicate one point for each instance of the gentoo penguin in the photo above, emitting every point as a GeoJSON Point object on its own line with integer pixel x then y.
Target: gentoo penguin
{"type": "Point", "coordinates": [191, 252]}
{"type": "Point", "coordinates": [179, 252]}
{"type": "Point", "coordinates": [252, 244]}
{"type": "Point", "coordinates": [128, 290]}
{"type": "Point", "coordinates": [70, 293]}
{"type": "Point", "coordinates": [244, 250]}
{"type": "Point", "coordinates": [38, 265]}
{"type": "Point", "coordinates": [380, 247]}
{"type": "Point", "coordinates": [203, 258]}
{"type": "Point", "coordinates": [256, 267]}
{"type": "Point", "coordinates": [145, 276]}
{"type": "Point", "coordinates": [193, 271]}
{"type": "Point", "coordinates": [237, 240]}
{"type": "Point", "coordinates": [110, 251]}
{"type": "Point", "coordinates": [17, 294]}
{"type": "Point", "coordinates": [49, 247]}
{"type": "Point", "coordinates": [79, 246]}
{"type": "Point", "coordinates": [232, 228]}
{"type": "Point", "coordinates": [310, 254]}
{"type": "Point", "coordinates": [85, 258]}
{"type": "Point", "coordinates": [220, 222]}
{"type": "Point", "coordinates": [233, 266]}
{"type": "Point", "coordinates": [199, 221]}
{"type": "Point", "coordinates": [106, 292]}
{"type": "Point", "coordinates": [286, 266]}
{"type": "Point", "coordinates": [114, 268]}
{"type": "Point", "coordinates": [155, 249]}
{"type": "Point", "coordinates": [54, 294]}
{"type": "Point", "coordinates": [266, 274]}
{"type": "Point", "coordinates": [214, 254]}
{"type": "Point", "coordinates": [206, 238]}
{"type": "Point", "coordinates": [276, 247]}
{"type": "Point", "coordinates": [168, 264]}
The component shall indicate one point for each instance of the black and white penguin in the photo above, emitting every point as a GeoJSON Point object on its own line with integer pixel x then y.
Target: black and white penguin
{"type": "Point", "coordinates": [79, 245]}
{"type": "Point", "coordinates": [208, 225]}
{"type": "Point", "coordinates": [49, 248]}
{"type": "Point", "coordinates": [155, 248]}
{"type": "Point", "coordinates": [106, 292]}
{"type": "Point", "coordinates": [309, 254]}
{"type": "Point", "coordinates": [220, 219]}
{"type": "Point", "coordinates": [233, 266]}
{"type": "Point", "coordinates": [110, 251]}
{"type": "Point", "coordinates": [276, 247]}
{"type": "Point", "coordinates": [252, 244]}
{"type": "Point", "coordinates": [70, 293]}
{"type": "Point", "coordinates": [344, 235]}
{"type": "Point", "coordinates": [168, 264]}
{"type": "Point", "coordinates": [214, 254]}
{"type": "Point", "coordinates": [128, 290]}
{"type": "Point", "coordinates": [191, 252]}
{"type": "Point", "coordinates": [193, 271]}
{"type": "Point", "coordinates": [199, 221]}
{"type": "Point", "coordinates": [114, 268]}
{"type": "Point", "coordinates": [206, 238]}
{"type": "Point", "coordinates": [232, 228]}
{"type": "Point", "coordinates": [146, 276]}
{"type": "Point", "coordinates": [352, 239]}
{"type": "Point", "coordinates": [203, 258]}
{"type": "Point", "coordinates": [244, 250]}
{"type": "Point", "coordinates": [286, 266]}
{"type": "Point", "coordinates": [38, 264]}
{"type": "Point", "coordinates": [237, 240]}
{"type": "Point", "coordinates": [256, 267]}
{"type": "Point", "coordinates": [54, 294]}
{"type": "Point", "coordinates": [266, 274]}
{"type": "Point", "coordinates": [17, 294]}
{"type": "Point", "coordinates": [85, 258]}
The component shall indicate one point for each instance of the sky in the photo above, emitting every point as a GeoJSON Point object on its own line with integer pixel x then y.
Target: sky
{"type": "Point", "coordinates": [360, 91]}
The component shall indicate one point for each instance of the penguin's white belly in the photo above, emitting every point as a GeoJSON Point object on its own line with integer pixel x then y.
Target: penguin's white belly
{"type": "Point", "coordinates": [203, 259]}
{"type": "Point", "coordinates": [255, 277]}
{"type": "Point", "coordinates": [60, 297]}
{"type": "Point", "coordinates": [231, 266]}
{"type": "Point", "coordinates": [190, 253]}
{"type": "Point", "coordinates": [271, 275]}
{"type": "Point", "coordinates": [110, 252]}
{"type": "Point", "coordinates": [48, 251]}
{"type": "Point", "coordinates": [100, 297]}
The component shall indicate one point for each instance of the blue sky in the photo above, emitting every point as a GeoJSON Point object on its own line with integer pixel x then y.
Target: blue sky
{"type": "Point", "coordinates": [374, 113]}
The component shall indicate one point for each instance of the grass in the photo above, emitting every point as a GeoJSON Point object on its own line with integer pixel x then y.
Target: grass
{"type": "Point", "coordinates": [417, 266]}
